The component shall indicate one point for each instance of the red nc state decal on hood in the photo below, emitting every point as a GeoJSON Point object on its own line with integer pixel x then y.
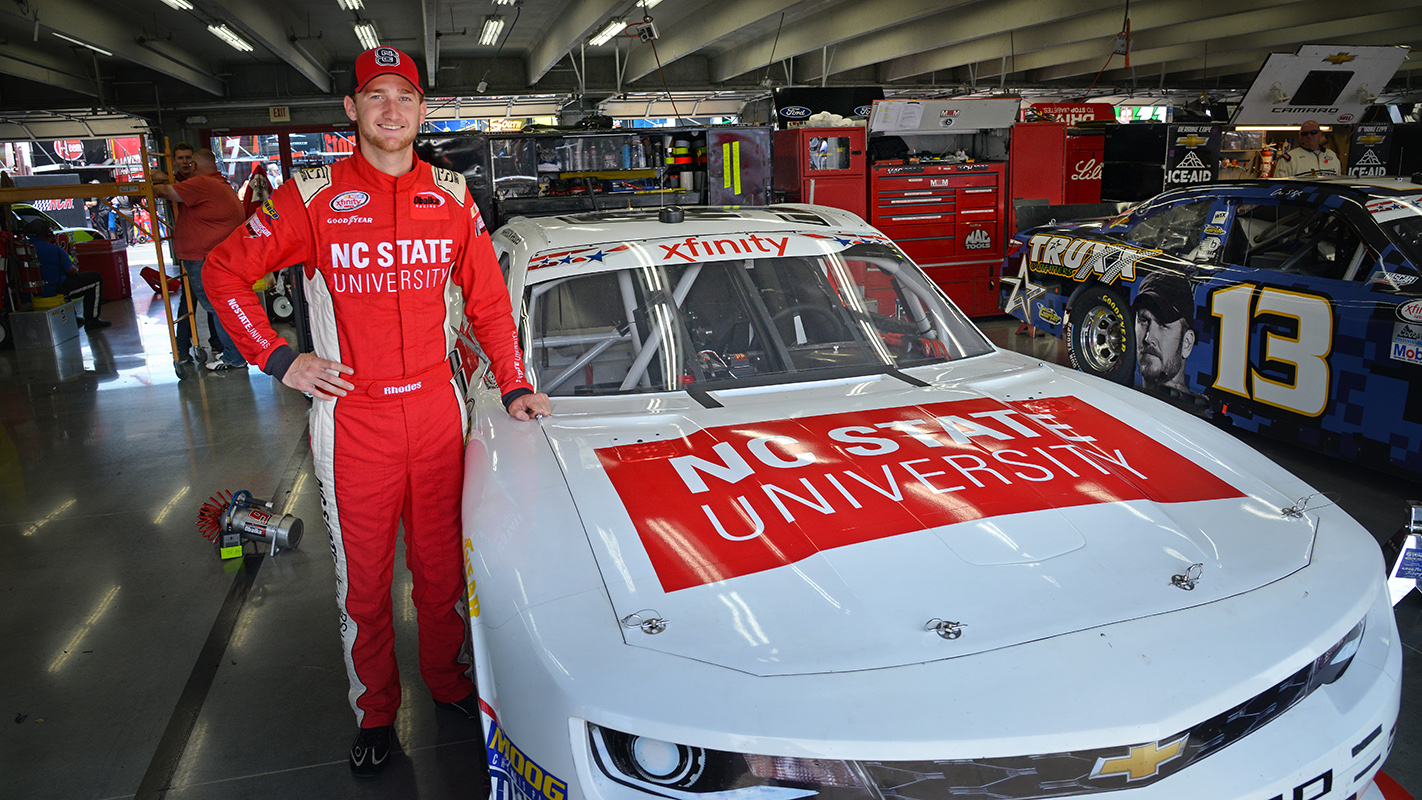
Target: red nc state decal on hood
{"type": "Point", "coordinates": [735, 500]}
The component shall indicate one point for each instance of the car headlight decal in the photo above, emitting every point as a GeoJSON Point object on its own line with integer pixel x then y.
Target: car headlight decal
{"type": "Point", "coordinates": [1330, 666]}
{"type": "Point", "coordinates": [653, 763]}
{"type": "Point", "coordinates": [807, 771]}
{"type": "Point", "coordinates": [667, 763]}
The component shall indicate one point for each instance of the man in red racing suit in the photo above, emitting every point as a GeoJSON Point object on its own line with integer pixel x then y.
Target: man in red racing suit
{"type": "Point", "coordinates": [390, 247]}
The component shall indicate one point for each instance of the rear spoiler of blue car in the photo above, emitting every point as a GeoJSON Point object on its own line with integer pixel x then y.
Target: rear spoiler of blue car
{"type": "Point", "coordinates": [1033, 213]}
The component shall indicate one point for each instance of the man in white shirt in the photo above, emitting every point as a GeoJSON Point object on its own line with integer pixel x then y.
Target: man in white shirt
{"type": "Point", "coordinates": [1309, 157]}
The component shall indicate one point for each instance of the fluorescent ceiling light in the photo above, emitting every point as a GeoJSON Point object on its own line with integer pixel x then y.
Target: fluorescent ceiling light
{"type": "Point", "coordinates": [230, 36]}
{"type": "Point", "coordinates": [493, 26]}
{"type": "Point", "coordinates": [511, 2]}
{"type": "Point", "coordinates": [350, 5]}
{"type": "Point", "coordinates": [99, 50]}
{"type": "Point", "coordinates": [613, 28]}
{"type": "Point", "coordinates": [367, 34]}
{"type": "Point", "coordinates": [649, 4]}
{"type": "Point", "coordinates": [181, 5]}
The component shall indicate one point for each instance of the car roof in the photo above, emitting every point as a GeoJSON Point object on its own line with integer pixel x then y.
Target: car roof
{"type": "Point", "coordinates": [581, 230]}
{"type": "Point", "coordinates": [1383, 186]}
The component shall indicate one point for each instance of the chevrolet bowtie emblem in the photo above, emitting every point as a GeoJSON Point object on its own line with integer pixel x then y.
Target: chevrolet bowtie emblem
{"type": "Point", "coordinates": [1340, 58]}
{"type": "Point", "coordinates": [1192, 140]}
{"type": "Point", "coordinates": [1369, 139]}
{"type": "Point", "coordinates": [1144, 761]}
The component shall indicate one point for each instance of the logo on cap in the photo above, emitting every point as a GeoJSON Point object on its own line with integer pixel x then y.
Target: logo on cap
{"type": "Point", "coordinates": [387, 57]}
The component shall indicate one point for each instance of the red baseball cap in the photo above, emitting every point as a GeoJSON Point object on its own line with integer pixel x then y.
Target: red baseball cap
{"type": "Point", "coordinates": [385, 60]}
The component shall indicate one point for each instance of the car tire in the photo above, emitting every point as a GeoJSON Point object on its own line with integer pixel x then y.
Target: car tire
{"type": "Point", "coordinates": [1100, 335]}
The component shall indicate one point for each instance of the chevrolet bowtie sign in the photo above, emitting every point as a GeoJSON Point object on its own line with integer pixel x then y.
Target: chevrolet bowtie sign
{"type": "Point", "coordinates": [1144, 761]}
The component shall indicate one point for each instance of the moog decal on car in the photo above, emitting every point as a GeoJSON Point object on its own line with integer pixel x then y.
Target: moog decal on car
{"type": "Point", "coordinates": [515, 775]}
{"type": "Point", "coordinates": [748, 498]}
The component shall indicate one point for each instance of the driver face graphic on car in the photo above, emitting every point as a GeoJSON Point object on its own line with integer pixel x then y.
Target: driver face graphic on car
{"type": "Point", "coordinates": [1165, 330]}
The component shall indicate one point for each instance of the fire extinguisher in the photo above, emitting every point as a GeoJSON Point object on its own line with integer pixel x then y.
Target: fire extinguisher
{"type": "Point", "coordinates": [1266, 162]}
{"type": "Point", "coordinates": [28, 279]}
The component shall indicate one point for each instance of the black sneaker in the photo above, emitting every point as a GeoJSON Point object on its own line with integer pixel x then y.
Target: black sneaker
{"type": "Point", "coordinates": [94, 323]}
{"type": "Point", "coordinates": [469, 706]}
{"type": "Point", "coordinates": [371, 750]}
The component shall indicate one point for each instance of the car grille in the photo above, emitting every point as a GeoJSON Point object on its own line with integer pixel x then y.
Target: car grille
{"type": "Point", "coordinates": [1074, 773]}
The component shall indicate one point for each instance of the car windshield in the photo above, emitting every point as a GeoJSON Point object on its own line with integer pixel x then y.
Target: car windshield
{"type": "Point", "coordinates": [753, 321]}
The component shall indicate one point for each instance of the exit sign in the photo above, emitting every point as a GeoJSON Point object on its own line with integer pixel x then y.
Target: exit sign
{"type": "Point", "coordinates": [279, 113]}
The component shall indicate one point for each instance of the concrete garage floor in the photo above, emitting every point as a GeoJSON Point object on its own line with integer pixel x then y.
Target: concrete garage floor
{"type": "Point", "coordinates": [137, 664]}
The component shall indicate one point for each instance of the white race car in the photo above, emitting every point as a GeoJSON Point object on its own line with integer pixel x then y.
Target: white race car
{"type": "Point", "coordinates": [796, 528]}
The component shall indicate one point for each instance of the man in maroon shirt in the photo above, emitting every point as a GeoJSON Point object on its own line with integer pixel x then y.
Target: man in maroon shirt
{"type": "Point", "coordinates": [207, 210]}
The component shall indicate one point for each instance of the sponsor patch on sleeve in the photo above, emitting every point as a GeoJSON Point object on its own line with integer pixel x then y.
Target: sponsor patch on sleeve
{"type": "Point", "coordinates": [256, 228]}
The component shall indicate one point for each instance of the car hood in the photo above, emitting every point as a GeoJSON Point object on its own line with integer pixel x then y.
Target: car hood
{"type": "Point", "coordinates": [867, 524]}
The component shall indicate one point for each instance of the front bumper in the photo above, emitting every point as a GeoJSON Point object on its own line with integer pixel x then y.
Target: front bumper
{"type": "Point", "coordinates": [1328, 746]}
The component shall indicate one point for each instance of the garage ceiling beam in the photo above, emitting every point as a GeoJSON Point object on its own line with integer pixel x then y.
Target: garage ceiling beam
{"type": "Point", "coordinates": [31, 64]}
{"type": "Point", "coordinates": [846, 22]}
{"type": "Point", "coordinates": [1247, 62]}
{"type": "Point", "coordinates": [429, 19]}
{"type": "Point", "coordinates": [1189, 42]}
{"type": "Point", "coordinates": [579, 20]}
{"type": "Point", "coordinates": [930, 34]}
{"type": "Point", "coordinates": [991, 38]}
{"type": "Point", "coordinates": [711, 23]}
{"type": "Point", "coordinates": [95, 24]}
{"type": "Point", "coordinates": [266, 28]}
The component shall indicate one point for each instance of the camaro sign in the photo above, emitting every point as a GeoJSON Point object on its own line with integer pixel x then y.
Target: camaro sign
{"type": "Point", "coordinates": [741, 499]}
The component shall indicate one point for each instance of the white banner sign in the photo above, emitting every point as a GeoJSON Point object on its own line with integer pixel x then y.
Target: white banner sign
{"type": "Point", "coordinates": [1331, 84]}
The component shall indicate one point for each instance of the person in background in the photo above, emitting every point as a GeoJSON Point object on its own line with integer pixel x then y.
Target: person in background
{"type": "Point", "coordinates": [98, 212]}
{"type": "Point", "coordinates": [184, 162]}
{"type": "Point", "coordinates": [207, 210]}
{"type": "Point", "coordinates": [388, 418]}
{"type": "Point", "coordinates": [60, 276]}
{"type": "Point", "coordinates": [1310, 157]}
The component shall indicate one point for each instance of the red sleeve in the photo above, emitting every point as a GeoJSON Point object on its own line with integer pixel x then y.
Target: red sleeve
{"type": "Point", "coordinates": [278, 234]}
{"type": "Point", "coordinates": [486, 304]}
{"type": "Point", "coordinates": [190, 192]}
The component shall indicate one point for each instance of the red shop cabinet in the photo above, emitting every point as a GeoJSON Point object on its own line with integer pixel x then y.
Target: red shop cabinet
{"type": "Point", "coordinates": [1037, 163]}
{"type": "Point", "coordinates": [824, 166]}
{"type": "Point", "coordinates": [1086, 153]}
{"type": "Point", "coordinates": [949, 219]}
{"type": "Point", "coordinates": [109, 258]}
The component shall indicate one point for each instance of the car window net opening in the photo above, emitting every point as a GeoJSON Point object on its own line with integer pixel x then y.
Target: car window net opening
{"type": "Point", "coordinates": [1297, 238]}
{"type": "Point", "coordinates": [723, 324]}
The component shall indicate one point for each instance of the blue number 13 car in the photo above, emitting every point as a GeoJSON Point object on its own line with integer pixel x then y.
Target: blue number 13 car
{"type": "Point", "coordinates": [1291, 308]}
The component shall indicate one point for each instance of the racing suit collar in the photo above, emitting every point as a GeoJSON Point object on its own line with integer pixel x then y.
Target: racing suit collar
{"type": "Point", "coordinates": [369, 174]}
